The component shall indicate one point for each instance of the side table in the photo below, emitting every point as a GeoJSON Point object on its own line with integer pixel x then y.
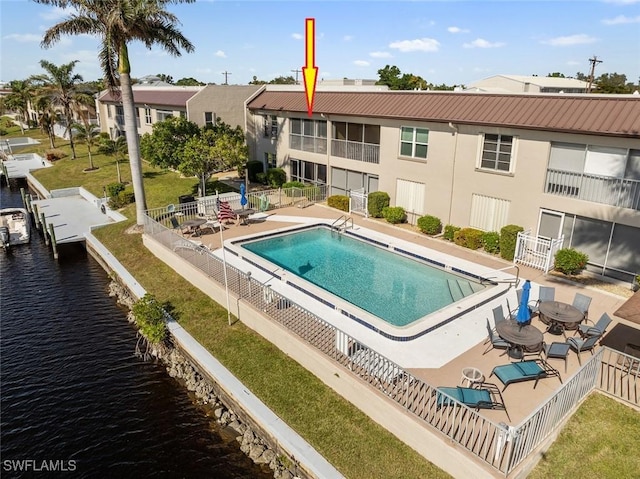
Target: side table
{"type": "Point", "coordinates": [471, 376]}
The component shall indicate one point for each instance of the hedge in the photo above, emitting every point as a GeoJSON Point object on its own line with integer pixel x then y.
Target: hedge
{"type": "Point", "coordinates": [450, 231]}
{"type": "Point", "coordinates": [394, 214]}
{"type": "Point", "coordinates": [377, 200]}
{"type": "Point", "coordinates": [508, 239]}
{"type": "Point", "coordinates": [340, 202]}
{"type": "Point", "coordinates": [430, 225]}
{"type": "Point", "coordinates": [468, 237]}
{"type": "Point", "coordinates": [570, 261]}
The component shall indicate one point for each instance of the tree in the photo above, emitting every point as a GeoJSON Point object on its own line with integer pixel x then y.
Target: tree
{"type": "Point", "coordinates": [118, 23]}
{"type": "Point", "coordinates": [47, 117]}
{"type": "Point", "coordinates": [555, 75]}
{"type": "Point", "coordinates": [22, 92]}
{"type": "Point", "coordinates": [390, 76]}
{"type": "Point", "coordinates": [117, 148]}
{"type": "Point", "coordinates": [164, 146]}
{"type": "Point", "coordinates": [88, 134]}
{"type": "Point", "coordinates": [60, 84]}
{"type": "Point", "coordinates": [255, 81]}
{"type": "Point", "coordinates": [190, 81]}
{"type": "Point", "coordinates": [282, 80]}
{"type": "Point", "coordinates": [165, 78]}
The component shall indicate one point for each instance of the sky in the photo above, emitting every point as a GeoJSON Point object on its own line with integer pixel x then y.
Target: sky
{"type": "Point", "coordinates": [450, 42]}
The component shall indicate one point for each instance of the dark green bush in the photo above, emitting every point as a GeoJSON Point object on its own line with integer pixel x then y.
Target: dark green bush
{"type": "Point", "coordinates": [340, 202]}
{"type": "Point", "coordinates": [377, 200]}
{"type": "Point", "coordinates": [253, 168]}
{"type": "Point", "coordinates": [430, 225]}
{"type": "Point", "coordinates": [450, 231]}
{"type": "Point", "coordinates": [293, 184]}
{"type": "Point", "coordinates": [491, 242]}
{"type": "Point", "coordinates": [121, 200]}
{"type": "Point", "coordinates": [149, 316]}
{"type": "Point", "coordinates": [570, 261]}
{"type": "Point", "coordinates": [261, 178]}
{"type": "Point", "coordinates": [114, 188]}
{"type": "Point", "coordinates": [276, 177]}
{"type": "Point", "coordinates": [468, 237]}
{"type": "Point", "coordinates": [508, 239]}
{"type": "Point", "coordinates": [394, 214]}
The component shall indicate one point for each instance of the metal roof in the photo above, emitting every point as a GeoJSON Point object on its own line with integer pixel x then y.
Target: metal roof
{"type": "Point", "coordinates": [160, 97]}
{"type": "Point", "coordinates": [612, 115]}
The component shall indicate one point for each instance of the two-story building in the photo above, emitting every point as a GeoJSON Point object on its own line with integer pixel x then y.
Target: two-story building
{"type": "Point", "coordinates": [561, 165]}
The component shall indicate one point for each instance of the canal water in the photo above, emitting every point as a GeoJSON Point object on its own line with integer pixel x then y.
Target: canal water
{"type": "Point", "coordinates": [73, 395]}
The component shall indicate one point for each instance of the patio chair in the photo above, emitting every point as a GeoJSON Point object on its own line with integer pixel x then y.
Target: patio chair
{"type": "Point", "coordinates": [530, 370]}
{"type": "Point", "coordinates": [579, 344]}
{"type": "Point", "coordinates": [545, 293]}
{"type": "Point", "coordinates": [212, 224]}
{"type": "Point", "coordinates": [557, 350]}
{"type": "Point", "coordinates": [498, 315]}
{"type": "Point", "coordinates": [175, 225]}
{"type": "Point", "coordinates": [582, 303]}
{"type": "Point", "coordinates": [597, 329]}
{"type": "Point", "coordinates": [535, 350]}
{"type": "Point", "coordinates": [478, 396]}
{"type": "Point", "coordinates": [495, 341]}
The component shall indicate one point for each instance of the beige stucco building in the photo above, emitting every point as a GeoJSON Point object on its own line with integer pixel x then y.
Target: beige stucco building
{"type": "Point", "coordinates": [528, 84]}
{"type": "Point", "coordinates": [560, 165]}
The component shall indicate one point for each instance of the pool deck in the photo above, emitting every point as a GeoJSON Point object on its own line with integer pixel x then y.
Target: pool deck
{"type": "Point", "coordinates": [439, 357]}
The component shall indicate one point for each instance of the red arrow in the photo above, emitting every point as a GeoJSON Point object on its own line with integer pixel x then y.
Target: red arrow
{"type": "Point", "coordinates": [310, 70]}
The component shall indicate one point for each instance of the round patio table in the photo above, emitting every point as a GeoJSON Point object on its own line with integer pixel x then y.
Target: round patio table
{"type": "Point", "coordinates": [519, 335]}
{"type": "Point", "coordinates": [194, 225]}
{"type": "Point", "coordinates": [559, 314]}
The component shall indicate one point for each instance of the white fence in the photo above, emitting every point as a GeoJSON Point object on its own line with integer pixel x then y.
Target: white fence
{"type": "Point", "coordinates": [535, 252]}
{"type": "Point", "coordinates": [358, 202]}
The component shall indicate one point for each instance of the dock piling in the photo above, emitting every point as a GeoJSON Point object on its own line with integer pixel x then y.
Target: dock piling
{"type": "Point", "coordinates": [44, 229]}
{"type": "Point", "coordinates": [36, 218]}
{"type": "Point", "coordinates": [52, 233]}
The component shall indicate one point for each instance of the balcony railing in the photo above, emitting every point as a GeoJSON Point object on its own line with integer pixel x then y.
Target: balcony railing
{"type": "Point", "coordinates": [308, 143]}
{"type": "Point", "coordinates": [353, 150]}
{"type": "Point", "coordinates": [120, 121]}
{"type": "Point", "coordinates": [621, 192]}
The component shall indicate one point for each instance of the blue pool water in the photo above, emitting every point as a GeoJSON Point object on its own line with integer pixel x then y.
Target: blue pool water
{"type": "Point", "coordinates": [392, 287]}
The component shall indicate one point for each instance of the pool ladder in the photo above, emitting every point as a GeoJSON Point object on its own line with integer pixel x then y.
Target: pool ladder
{"type": "Point", "coordinates": [342, 223]}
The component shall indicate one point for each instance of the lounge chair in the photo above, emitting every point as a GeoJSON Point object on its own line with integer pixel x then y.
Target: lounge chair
{"type": "Point", "coordinates": [495, 340]}
{"type": "Point", "coordinates": [530, 370]}
{"type": "Point", "coordinates": [597, 329]}
{"type": "Point", "coordinates": [478, 396]}
{"type": "Point", "coordinates": [579, 344]}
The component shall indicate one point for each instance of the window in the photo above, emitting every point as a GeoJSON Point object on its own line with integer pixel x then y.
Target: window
{"type": "Point", "coordinates": [209, 118]}
{"type": "Point", "coordinates": [414, 142]}
{"type": "Point", "coordinates": [496, 152]}
{"type": "Point", "coordinates": [487, 213]}
{"type": "Point", "coordinates": [308, 172]}
{"type": "Point", "coordinates": [270, 126]}
{"type": "Point", "coordinates": [270, 160]}
{"type": "Point", "coordinates": [308, 135]}
{"type": "Point", "coordinates": [147, 116]}
{"type": "Point", "coordinates": [162, 115]}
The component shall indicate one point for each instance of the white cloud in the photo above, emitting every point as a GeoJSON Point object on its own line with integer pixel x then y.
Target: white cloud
{"type": "Point", "coordinates": [23, 37]}
{"type": "Point", "coordinates": [457, 30]}
{"type": "Point", "coordinates": [579, 39]}
{"type": "Point", "coordinates": [380, 55]}
{"type": "Point", "coordinates": [220, 54]}
{"type": "Point", "coordinates": [347, 38]}
{"type": "Point", "coordinates": [621, 19]}
{"type": "Point", "coordinates": [296, 36]}
{"type": "Point", "coordinates": [361, 63]}
{"type": "Point", "coordinates": [482, 43]}
{"type": "Point", "coordinates": [419, 44]}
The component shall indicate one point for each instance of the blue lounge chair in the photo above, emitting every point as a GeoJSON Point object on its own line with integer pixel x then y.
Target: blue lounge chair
{"type": "Point", "coordinates": [479, 396]}
{"type": "Point", "coordinates": [524, 371]}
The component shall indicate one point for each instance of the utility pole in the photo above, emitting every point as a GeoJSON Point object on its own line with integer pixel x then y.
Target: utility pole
{"type": "Point", "coordinates": [226, 74]}
{"type": "Point", "coordinates": [594, 61]}
{"type": "Point", "coordinates": [296, 72]}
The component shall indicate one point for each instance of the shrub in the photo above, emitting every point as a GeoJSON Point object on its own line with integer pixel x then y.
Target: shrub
{"type": "Point", "coordinates": [276, 177]}
{"type": "Point", "coordinates": [121, 200]}
{"type": "Point", "coordinates": [293, 184]}
{"type": "Point", "coordinates": [114, 188]}
{"type": "Point", "coordinates": [570, 261]}
{"type": "Point", "coordinates": [54, 154]}
{"type": "Point", "coordinates": [491, 242]}
{"type": "Point", "coordinates": [394, 214]}
{"type": "Point", "coordinates": [450, 231]}
{"type": "Point", "coordinates": [340, 202]}
{"type": "Point", "coordinates": [508, 238]}
{"type": "Point", "coordinates": [261, 178]}
{"type": "Point", "coordinates": [150, 319]}
{"type": "Point", "coordinates": [430, 225]}
{"type": "Point", "coordinates": [253, 168]}
{"type": "Point", "coordinates": [376, 202]}
{"type": "Point", "coordinates": [468, 237]}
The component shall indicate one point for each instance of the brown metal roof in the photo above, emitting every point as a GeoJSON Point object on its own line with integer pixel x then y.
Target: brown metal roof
{"type": "Point", "coordinates": [600, 115]}
{"type": "Point", "coordinates": [154, 97]}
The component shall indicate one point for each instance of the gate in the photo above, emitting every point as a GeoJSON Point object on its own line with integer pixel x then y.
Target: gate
{"type": "Point", "coordinates": [358, 202]}
{"type": "Point", "coordinates": [536, 252]}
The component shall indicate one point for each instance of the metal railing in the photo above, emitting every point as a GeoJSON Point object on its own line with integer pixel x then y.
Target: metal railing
{"type": "Point", "coordinates": [608, 190]}
{"type": "Point", "coordinates": [500, 446]}
{"type": "Point", "coordinates": [536, 252]}
{"type": "Point", "coordinates": [311, 144]}
{"type": "Point", "coordinates": [353, 150]}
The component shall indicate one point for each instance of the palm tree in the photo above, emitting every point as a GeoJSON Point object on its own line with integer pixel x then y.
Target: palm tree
{"type": "Point", "coordinates": [117, 23]}
{"type": "Point", "coordinates": [47, 116]}
{"type": "Point", "coordinates": [116, 148]}
{"type": "Point", "coordinates": [19, 98]}
{"type": "Point", "coordinates": [60, 84]}
{"type": "Point", "coordinates": [88, 134]}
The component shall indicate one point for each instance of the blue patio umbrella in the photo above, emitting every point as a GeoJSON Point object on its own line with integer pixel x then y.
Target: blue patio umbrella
{"type": "Point", "coordinates": [243, 195]}
{"type": "Point", "coordinates": [524, 314]}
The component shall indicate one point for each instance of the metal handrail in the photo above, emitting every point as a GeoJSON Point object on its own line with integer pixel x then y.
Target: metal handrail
{"type": "Point", "coordinates": [513, 282]}
{"type": "Point", "coordinates": [342, 225]}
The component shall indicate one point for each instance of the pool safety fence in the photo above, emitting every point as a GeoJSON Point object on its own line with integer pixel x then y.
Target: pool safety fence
{"type": "Point", "coordinates": [498, 445]}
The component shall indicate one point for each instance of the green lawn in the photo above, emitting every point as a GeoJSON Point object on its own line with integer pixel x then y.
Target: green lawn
{"type": "Point", "coordinates": [601, 440]}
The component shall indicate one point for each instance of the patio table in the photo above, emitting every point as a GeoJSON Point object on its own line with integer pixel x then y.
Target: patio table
{"type": "Point", "coordinates": [242, 215]}
{"type": "Point", "coordinates": [194, 225]}
{"type": "Point", "coordinates": [518, 335]}
{"type": "Point", "coordinates": [559, 314]}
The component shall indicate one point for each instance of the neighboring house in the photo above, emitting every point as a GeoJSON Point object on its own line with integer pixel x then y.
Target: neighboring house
{"type": "Point", "coordinates": [153, 104]}
{"type": "Point", "coordinates": [556, 164]}
{"type": "Point", "coordinates": [527, 84]}
{"type": "Point", "coordinates": [220, 101]}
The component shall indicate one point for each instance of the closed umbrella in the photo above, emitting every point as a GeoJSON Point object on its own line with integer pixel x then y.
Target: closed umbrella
{"type": "Point", "coordinates": [243, 195]}
{"type": "Point", "coordinates": [524, 315]}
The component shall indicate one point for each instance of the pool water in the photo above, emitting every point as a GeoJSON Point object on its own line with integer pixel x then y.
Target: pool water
{"type": "Point", "coordinates": [392, 287]}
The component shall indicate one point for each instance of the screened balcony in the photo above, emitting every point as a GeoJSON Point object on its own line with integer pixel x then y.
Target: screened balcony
{"type": "Point", "coordinates": [353, 150]}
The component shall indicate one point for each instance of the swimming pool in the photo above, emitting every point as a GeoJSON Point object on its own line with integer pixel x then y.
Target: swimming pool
{"type": "Point", "coordinates": [398, 286]}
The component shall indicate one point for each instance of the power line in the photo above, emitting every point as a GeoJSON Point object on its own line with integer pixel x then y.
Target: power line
{"type": "Point", "coordinates": [226, 74]}
{"type": "Point", "coordinates": [594, 61]}
{"type": "Point", "coordinates": [296, 72]}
